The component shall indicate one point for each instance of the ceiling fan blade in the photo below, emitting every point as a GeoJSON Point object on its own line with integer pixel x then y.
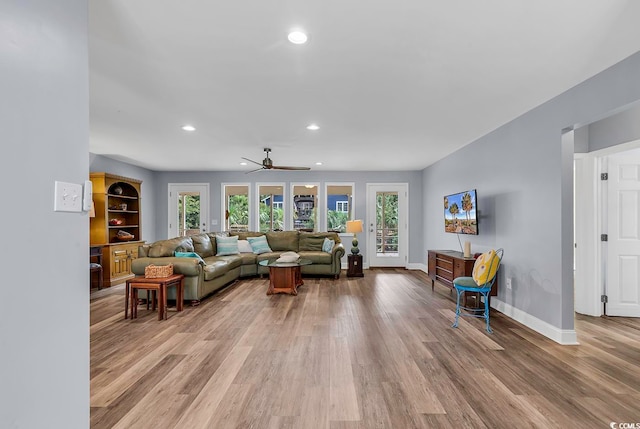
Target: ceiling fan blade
{"type": "Point", "coordinates": [251, 160]}
{"type": "Point", "coordinates": [284, 167]}
{"type": "Point", "coordinates": [257, 169]}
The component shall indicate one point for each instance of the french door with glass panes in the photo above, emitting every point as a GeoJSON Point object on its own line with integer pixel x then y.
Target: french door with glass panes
{"type": "Point", "coordinates": [188, 208]}
{"type": "Point", "coordinates": [386, 224]}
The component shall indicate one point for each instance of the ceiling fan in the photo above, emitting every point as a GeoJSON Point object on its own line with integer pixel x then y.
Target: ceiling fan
{"type": "Point", "coordinates": [267, 164]}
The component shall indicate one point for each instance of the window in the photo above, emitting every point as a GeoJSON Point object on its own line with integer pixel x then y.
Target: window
{"type": "Point", "coordinates": [342, 206]}
{"type": "Point", "coordinates": [305, 207]}
{"type": "Point", "coordinates": [236, 207]}
{"type": "Point", "coordinates": [339, 197]}
{"type": "Point", "coordinates": [270, 206]}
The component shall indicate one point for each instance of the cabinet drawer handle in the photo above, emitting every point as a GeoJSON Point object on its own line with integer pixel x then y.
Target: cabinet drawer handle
{"type": "Point", "coordinates": [120, 252]}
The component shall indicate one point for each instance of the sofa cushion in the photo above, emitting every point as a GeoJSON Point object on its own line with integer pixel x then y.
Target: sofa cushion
{"type": "Point", "coordinates": [317, 257]}
{"type": "Point", "coordinates": [259, 244]}
{"type": "Point", "coordinates": [248, 258]}
{"type": "Point", "coordinates": [169, 247]}
{"type": "Point", "coordinates": [227, 245]}
{"type": "Point", "coordinates": [310, 241]}
{"type": "Point", "coordinates": [202, 245]}
{"type": "Point", "coordinates": [215, 269]}
{"type": "Point", "coordinates": [246, 234]}
{"type": "Point", "coordinates": [283, 240]}
{"type": "Point", "coordinates": [232, 261]}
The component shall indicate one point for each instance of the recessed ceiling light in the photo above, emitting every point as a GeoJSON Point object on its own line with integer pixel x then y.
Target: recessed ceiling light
{"type": "Point", "coordinates": [243, 163]}
{"type": "Point", "coordinates": [188, 128]}
{"type": "Point", "coordinates": [318, 163]}
{"type": "Point", "coordinates": [313, 127]}
{"type": "Point", "coordinates": [297, 37]}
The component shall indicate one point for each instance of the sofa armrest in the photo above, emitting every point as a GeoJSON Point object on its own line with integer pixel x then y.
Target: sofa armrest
{"type": "Point", "coordinates": [337, 253]}
{"type": "Point", "coordinates": [187, 266]}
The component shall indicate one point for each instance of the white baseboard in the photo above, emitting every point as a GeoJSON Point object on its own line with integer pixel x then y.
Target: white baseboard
{"type": "Point", "coordinates": [560, 336]}
{"type": "Point", "coordinates": [418, 266]}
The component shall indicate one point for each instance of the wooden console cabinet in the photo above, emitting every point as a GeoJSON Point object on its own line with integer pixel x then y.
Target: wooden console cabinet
{"type": "Point", "coordinates": [446, 265]}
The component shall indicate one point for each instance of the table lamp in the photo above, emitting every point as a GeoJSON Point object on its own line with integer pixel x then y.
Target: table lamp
{"type": "Point", "coordinates": [354, 227]}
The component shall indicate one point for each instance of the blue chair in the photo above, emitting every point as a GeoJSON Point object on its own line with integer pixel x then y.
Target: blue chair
{"type": "Point", "coordinates": [468, 284]}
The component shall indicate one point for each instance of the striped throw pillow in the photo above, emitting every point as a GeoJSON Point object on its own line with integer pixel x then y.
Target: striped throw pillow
{"type": "Point", "coordinates": [227, 245]}
{"type": "Point", "coordinates": [259, 244]}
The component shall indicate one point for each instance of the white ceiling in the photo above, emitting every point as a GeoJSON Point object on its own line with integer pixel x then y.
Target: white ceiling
{"type": "Point", "coordinates": [394, 85]}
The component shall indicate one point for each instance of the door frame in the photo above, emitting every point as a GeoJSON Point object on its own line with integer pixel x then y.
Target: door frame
{"type": "Point", "coordinates": [173, 189]}
{"type": "Point", "coordinates": [590, 252]}
{"type": "Point", "coordinates": [403, 223]}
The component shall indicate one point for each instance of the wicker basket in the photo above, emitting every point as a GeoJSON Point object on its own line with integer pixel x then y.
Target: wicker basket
{"type": "Point", "coordinates": [158, 271]}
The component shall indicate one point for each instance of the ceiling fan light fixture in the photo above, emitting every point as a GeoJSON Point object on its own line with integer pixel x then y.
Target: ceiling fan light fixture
{"type": "Point", "coordinates": [297, 37]}
{"type": "Point", "coordinates": [318, 163]}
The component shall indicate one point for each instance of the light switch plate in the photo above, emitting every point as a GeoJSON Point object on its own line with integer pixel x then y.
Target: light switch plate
{"type": "Point", "coordinates": [67, 197]}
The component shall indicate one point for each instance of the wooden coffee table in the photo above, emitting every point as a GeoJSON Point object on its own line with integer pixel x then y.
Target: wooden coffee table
{"type": "Point", "coordinates": [284, 277]}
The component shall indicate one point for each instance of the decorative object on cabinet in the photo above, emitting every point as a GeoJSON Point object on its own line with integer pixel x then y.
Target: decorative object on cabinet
{"type": "Point", "coordinates": [118, 230]}
{"type": "Point", "coordinates": [354, 227]}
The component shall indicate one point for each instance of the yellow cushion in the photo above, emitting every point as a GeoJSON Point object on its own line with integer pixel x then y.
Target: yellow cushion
{"type": "Point", "coordinates": [485, 267]}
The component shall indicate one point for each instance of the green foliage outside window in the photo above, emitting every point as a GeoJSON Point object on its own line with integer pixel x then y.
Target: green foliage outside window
{"type": "Point", "coordinates": [238, 207]}
{"type": "Point", "coordinates": [337, 221]}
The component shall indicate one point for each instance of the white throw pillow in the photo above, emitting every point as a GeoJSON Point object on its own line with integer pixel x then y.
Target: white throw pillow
{"type": "Point", "coordinates": [288, 257]}
{"type": "Point", "coordinates": [244, 246]}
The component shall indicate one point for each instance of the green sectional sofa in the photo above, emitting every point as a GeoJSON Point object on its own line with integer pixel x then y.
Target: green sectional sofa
{"type": "Point", "coordinates": [208, 273]}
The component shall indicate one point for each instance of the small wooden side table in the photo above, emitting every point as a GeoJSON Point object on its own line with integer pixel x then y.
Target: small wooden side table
{"type": "Point", "coordinates": [355, 266]}
{"type": "Point", "coordinates": [159, 285]}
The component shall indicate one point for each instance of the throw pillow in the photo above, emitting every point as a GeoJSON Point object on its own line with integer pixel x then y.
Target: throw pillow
{"type": "Point", "coordinates": [188, 255]}
{"type": "Point", "coordinates": [288, 257]}
{"type": "Point", "coordinates": [259, 244]}
{"type": "Point", "coordinates": [227, 245]}
{"type": "Point", "coordinates": [244, 246]}
{"type": "Point", "coordinates": [485, 267]}
{"type": "Point", "coordinates": [327, 245]}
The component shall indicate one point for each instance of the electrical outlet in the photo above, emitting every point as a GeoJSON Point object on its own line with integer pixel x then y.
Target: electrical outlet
{"type": "Point", "coordinates": [67, 197]}
{"type": "Point", "coordinates": [509, 283]}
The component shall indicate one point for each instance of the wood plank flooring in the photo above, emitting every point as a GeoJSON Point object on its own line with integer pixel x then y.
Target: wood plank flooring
{"type": "Point", "coordinates": [371, 352]}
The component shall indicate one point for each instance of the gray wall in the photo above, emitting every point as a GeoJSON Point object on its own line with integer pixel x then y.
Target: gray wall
{"type": "Point", "coordinates": [360, 178]}
{"type": "Point", "coordinates": [523, 174]}
{"type": "Point", "coordinates": [44, 130]}
{"type": "Point", "coordinates": [622, 127]}
{"type": "Point", "coordinates": [155, 187]}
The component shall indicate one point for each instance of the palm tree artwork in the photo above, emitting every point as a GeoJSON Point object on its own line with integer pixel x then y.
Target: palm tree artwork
{"type": "Point", "coordinates": [454, 210]}
{"type": "Point", "coordinates": [467, 206]}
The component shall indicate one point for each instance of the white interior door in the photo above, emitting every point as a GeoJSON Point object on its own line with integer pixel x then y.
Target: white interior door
{"type": "Point", "coordinates": [386, 224]}
{"type": "Point", "coordinates": [623, 246]}
{"type": "Point", "coordinates": [188, 209]}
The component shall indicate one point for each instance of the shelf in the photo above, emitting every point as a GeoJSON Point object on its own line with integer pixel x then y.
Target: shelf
{"type": "Point", "coordinates": [124, 197]}
{"type": "Point", "coordinates": [122, 211]}
{"type": "Point", "coordinates": [122, 226]}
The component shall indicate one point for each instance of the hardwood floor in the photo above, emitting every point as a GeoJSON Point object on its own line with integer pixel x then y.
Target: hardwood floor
{"type": "Point", "coordinates": [371, 352]}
